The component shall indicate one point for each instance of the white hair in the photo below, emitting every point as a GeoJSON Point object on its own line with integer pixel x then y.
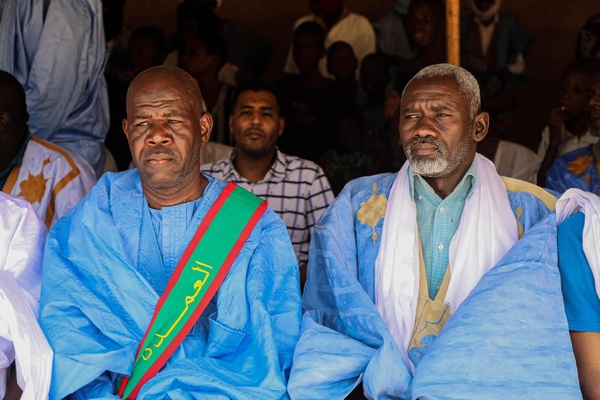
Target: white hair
{"type": "Point", "coordinates": [467, 83]}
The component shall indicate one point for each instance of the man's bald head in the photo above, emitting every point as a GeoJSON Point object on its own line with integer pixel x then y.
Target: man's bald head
{"type": "Point", "coordinates": [12, 101]}
{"type": "Point", "coordinates": [174, 78]}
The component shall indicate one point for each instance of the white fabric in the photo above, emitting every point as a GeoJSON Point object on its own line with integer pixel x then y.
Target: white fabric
{"type": "Point", "coordinates": [474, 249]}
{"type": "Point", "coordinates": [516, 161]}
{"type": "Point", "coordinates": [353, 29]}
{"type": "Point", "coordinates": [573, 201]}
{"type": "Point", "coordinates": [22, 241]}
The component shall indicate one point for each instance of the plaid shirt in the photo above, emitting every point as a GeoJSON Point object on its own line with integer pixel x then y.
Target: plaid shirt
{"type": "Point", "coordinates": [296, 189]}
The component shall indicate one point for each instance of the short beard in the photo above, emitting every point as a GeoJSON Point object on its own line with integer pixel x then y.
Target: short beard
{"type": "Point", "coordinates": [443, 164]}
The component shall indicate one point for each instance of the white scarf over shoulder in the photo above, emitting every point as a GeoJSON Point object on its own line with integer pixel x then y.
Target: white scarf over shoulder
{"type": "Point", "coordinates": [573, 201]}
{"type": "Point", "coordinates": [486, 232]}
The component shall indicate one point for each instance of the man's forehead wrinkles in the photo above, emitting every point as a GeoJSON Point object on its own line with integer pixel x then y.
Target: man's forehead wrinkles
{"type": "Point", "coordinates": [435, 104]}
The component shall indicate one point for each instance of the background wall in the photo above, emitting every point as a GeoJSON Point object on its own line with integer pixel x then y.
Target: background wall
{"type": "Point", "coordinates": [554, 24]}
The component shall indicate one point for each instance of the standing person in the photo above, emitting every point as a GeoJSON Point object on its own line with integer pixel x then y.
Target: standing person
{"type": "Point", "coordinates": [340, 24]}
{"type": "Point", "coordinates": [398, 292]}
{"type": "Point", "coordinates": [296, 189]}
{"type": "Point", "coordinates": [22, 237]}
{"type": "Point", "coordinates": [50, 178]}
{"type": "Point", "coordinates": [58, 52]}
{"type": "Point", "coordinates": [197, 275]}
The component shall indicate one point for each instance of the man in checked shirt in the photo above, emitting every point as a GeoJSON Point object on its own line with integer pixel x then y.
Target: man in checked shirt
{"type": "Point", "coordinates": [296, 189]}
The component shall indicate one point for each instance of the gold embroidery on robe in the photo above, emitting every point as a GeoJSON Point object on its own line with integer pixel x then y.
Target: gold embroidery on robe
{"type": "Point", "coordinates": [372, 210]}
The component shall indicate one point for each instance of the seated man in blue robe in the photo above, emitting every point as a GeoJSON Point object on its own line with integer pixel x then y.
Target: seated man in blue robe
{"type": "Point", "coordinates": [128, 290]}
{"type": "Point", "coordinates": [417, 282]}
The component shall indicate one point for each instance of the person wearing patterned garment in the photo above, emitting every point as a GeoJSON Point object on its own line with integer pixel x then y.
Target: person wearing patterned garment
{"type": "Point", "coordinates": [340, 25]}
{"type": "Point", "coordinates": [51, 179]}
{"type": "Point", "coordinates": [418, 280]}
{"type": "Point", "coordinates": [22, 237]}
{"type": "Point", "coordinates": [164, 282]}
{"type": "Point", "coordinates": [296, 189]}
{"type": "Point", "coordinates": [578, 168]}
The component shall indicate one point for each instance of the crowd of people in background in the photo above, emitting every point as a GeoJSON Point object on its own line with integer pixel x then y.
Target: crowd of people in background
{"type": "Point", "coordinates": [343, 78]}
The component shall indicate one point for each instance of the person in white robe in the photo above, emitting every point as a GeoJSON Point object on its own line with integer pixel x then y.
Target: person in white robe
{"type": "Point", "coordinates": [22, 238]}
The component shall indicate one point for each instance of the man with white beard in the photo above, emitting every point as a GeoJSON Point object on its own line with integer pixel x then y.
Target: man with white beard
{"type": "Point", "coordinates": [417, 281]}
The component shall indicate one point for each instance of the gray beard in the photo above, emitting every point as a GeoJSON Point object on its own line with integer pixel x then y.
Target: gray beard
{"type": "Point", "coordinates": [430, 167]}
{"type": "Point", "coordinates": [441, 165]}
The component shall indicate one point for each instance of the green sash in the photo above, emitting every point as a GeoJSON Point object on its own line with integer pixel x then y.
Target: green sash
{"type": "Point", "coordinates": [197, 277]}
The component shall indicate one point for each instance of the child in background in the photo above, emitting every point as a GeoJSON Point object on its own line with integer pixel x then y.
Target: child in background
{"type": "Point", "coordinates": [568, 126]}
{"type": "Point", "coordinates": [342, 64]}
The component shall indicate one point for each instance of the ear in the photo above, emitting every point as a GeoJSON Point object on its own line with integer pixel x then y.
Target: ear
{"type": "Point", "coordinates": [125, 125]}
{"type": "Point", "coordinates": [481, 125]}
{"type": "Point", "coordinates": [5, 120]}
{"type": "Point", "coordinates": [206, 125]}
{"type": "Point", "coordinates": [231, 123]}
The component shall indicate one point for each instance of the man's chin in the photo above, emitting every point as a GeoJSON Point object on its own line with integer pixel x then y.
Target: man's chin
{"type": "Point", "coordinates": [428, 167]}
{"type": "Point", "coordinates": [595, 122]}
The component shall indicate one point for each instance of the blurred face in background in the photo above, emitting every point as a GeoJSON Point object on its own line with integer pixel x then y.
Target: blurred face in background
{"type": "Point", "coordinates": [425, 23]}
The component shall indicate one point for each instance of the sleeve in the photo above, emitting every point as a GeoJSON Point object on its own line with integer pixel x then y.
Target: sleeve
{"type": "Point", "coordinates": [581, 300]}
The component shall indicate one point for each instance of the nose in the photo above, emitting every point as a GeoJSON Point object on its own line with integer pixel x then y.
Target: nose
{"type": "Point", "coordinates": [158, 135]}
{"type": "Point", "coordinates": [256, 119]}
{"type": "Point", "coordinates": [424, 127]}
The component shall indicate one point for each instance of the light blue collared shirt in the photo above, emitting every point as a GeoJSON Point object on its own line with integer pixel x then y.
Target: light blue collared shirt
{"type": "Point", "coordinates": [438, 221]}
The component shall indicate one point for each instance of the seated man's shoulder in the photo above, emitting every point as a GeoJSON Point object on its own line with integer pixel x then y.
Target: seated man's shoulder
{"type": "Point", "coordinates": [112, 187]}
{"type": "Point", "coordinates": [522, 189]}
{"type": "Point", "coordinates": [372, 184]}
{"type": "Point", "coordinates": [57, 157]}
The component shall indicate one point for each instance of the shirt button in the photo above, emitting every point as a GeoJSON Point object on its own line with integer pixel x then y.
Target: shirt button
{"type": "Point", "coordinates": [420, 197]}
{"type": "Point", "coordinates": [441, 247]}
{"type": "Point", "coordinates": [438, 287]}
{"type": "Point", "coordinates": [442, 209]}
